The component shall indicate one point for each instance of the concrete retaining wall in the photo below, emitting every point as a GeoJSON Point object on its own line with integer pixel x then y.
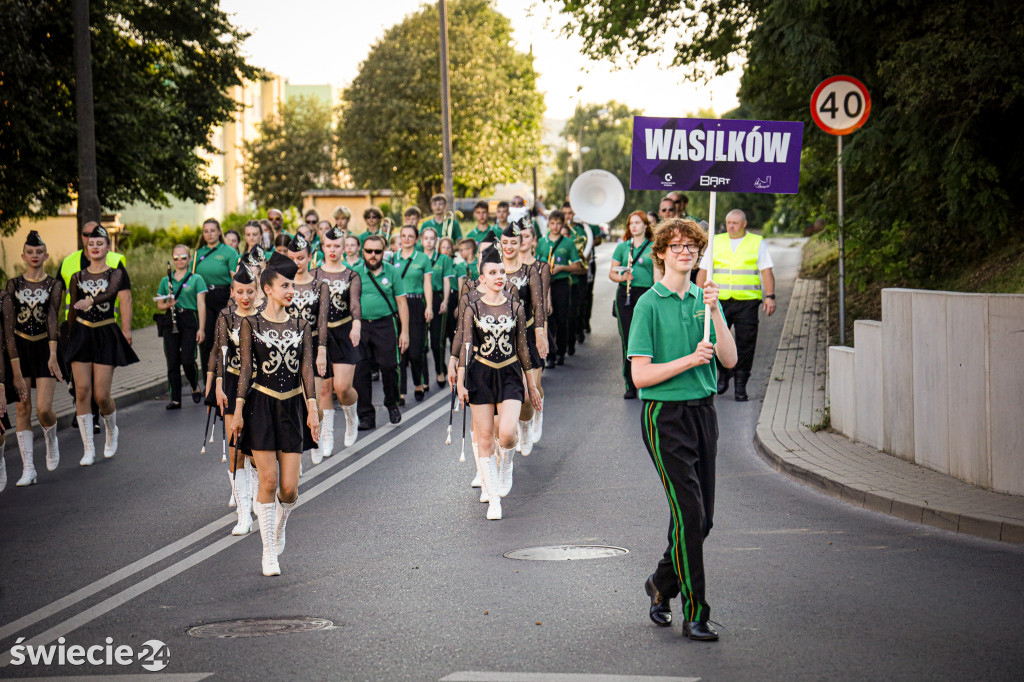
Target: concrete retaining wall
{"type": "Point", "coordinates": [940, 382]}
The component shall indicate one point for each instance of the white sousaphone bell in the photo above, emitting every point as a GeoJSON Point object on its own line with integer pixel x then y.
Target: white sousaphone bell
{"type": "Point", "coordinates": [596, 197]}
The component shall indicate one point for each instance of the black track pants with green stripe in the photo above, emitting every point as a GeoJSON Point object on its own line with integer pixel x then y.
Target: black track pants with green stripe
{"type": "Point", "coordinates": [683, 443]}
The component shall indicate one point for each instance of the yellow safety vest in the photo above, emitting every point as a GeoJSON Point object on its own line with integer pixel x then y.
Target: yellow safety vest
{"type": "Point", "coordinates": [736, 273]}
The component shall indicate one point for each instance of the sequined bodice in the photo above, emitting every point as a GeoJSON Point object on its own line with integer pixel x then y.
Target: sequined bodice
{"type": "Point", "coordinates": [35, 305]}
{"type": "Point", "coordinates": [306, 303]}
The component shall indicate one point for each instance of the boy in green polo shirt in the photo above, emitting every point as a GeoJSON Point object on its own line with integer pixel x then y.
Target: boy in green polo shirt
{"type": "Point", "coordinates": [483, 228]}
{"type": "Point", "coordinates": [672, 366]}
{"type": "Point", "coordinates": [439, 206]}
{"type": "Point", "coordinates": [564, 260]}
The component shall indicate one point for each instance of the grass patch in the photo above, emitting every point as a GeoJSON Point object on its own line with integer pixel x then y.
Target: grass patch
{"type": "Point", "coordinates": [823, 424]}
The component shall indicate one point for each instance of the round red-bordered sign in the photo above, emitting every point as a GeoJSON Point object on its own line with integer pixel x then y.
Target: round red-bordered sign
{"type": "Point", "coordinates": [840, 105]}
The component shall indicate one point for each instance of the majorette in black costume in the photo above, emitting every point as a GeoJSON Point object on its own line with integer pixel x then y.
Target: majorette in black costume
{"type": "Point", "coordinates": [305, 306]}
{"type": "Point", "coordinates": [95, 338]}
{"type": "Point", "coordinates": [540, 271]}
{"type": "Point", "coordinates": [340, 326]}
{"type": "Point", "coordinates": [276, 408]}
{"type": "Point", "coordinates": [494, 325]}
{"type": "Point", "coordinates": [31, 309]}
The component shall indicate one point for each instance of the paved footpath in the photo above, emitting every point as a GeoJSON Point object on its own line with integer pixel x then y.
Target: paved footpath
{"type": "Point", "coordinates": [854, 472]}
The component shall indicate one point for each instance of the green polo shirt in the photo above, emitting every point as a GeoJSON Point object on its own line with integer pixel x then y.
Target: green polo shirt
{"type": "Point", "coordinates": [478, 235]}
{"type": "Point", "coordinates": [643, 264]}
{"type": "Point", "coordinates": [565, 254]}
{"type": "Point", "coordinates": [467, 269]}
{"type": "Point", "coordinates": [412, 270]}
{"type": "Point", "coordinates": [379, 233]}
{"type": "Point", "coordinates": [215, 265]}
{"type": "Point", "coordinates": [188, 293]}
{"type": "Point", "coordinates": [375, 306]}
{"type": "Point", "coordinates": [666, 327]}
{"type": "Point", "coordinates": [456, 234]}
{"type": "Point", "coordinates": [442, 268]}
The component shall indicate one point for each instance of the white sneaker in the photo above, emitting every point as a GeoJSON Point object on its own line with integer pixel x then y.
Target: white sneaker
{"type": "Point", "coordinates": [351, 424]}
{"type": "Point", "coordinates": [88, 445]}
{"type": "Point", "coordinates": [52, 449]}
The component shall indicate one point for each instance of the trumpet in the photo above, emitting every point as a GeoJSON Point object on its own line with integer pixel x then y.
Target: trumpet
{"type": "Point", "coordinates": [447, 224]}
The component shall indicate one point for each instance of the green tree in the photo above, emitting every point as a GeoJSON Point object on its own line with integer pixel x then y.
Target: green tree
{"type": "Point", "coordinates": [293, 153]}
{"type": "Point", "coordinates": [161, 74]}
{"type": "Point", "coordinates": [390, 125]}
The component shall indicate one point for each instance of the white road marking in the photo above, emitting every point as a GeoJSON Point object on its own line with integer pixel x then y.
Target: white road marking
{"type": "Point", "coordinates": [477, 676]}
{"type": "Point", "coordinates": [142, 677]}
{"type": "Point", "coordinates": [90, 614]}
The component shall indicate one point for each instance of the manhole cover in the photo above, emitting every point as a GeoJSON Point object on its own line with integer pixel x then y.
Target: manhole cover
{"type": "Point", "coordinates": [566, 553]}
{"type": "Point", "coordinates": [259, 627]}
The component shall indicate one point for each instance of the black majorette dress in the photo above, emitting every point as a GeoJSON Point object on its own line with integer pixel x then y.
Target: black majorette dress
{"type": "Point", "coordinates": [229, 325]}
{"type": "Point", "coordinates": [34, 325]}
{"type": "Point", "coordinates": [499, 355]}
{"type": "Point", "coordinates": [275, 381]}
{"type": "Point", "coordinates": [94, 335]}
{"type": "Point", "coordinates": [305, 306]}
{"type": "Point", "coordinates": [339, 307]}
{"type": "Point", "coordinates": [530, 286]}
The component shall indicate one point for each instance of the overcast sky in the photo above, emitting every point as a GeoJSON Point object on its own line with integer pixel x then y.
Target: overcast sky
{"type": "Point", "coordinates": [324, 41]}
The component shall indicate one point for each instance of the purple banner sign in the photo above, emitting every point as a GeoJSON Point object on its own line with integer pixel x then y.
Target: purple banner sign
{"type": "Point", "coordinates": [716, 155]}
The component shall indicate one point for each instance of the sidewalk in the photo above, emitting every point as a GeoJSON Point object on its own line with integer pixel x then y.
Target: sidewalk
{"type": "Point", "coordinates": [145, 380]}
{"type": "Point", "coordinates": [855, 472]}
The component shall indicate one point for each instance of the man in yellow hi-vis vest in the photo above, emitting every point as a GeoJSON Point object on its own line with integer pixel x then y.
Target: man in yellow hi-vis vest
{"type": "Point", "coordinates": [743, 272]}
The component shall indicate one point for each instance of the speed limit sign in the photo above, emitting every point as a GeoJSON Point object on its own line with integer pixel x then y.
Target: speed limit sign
{"type": "Point", "coordinates": [840, 105]}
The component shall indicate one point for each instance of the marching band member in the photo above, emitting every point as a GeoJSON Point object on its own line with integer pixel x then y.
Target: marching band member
{"type": "Point", "coordinates": [353, 249]}
{"type": "Point", "coordinates": [215, 262]}
{"type": "Point", "coordinates": [253, 235]}
{"type": "Point", "coordinates": [187, 296]}
{"type": "Point", "coordinates": [224, 375]}
{"type": "Point", "coordinates": [483, 226]}
{"type": "Point", "coordinates": [416, 272]}
{"type": "Point", "coordinates": [96, 344]}
{"type": "Point", "coordinates": [372, 216]}
{"type": "Point", "coordinates": [672, 368]}
{"type": "Point", "coordinates": [633, 270]}
{"type": "Point", "coordinates": [340, 325]}
{"type": "Point", "coordinates": [442, 277]}
{"type": "Point", "coordinates": [531, 294]}
{"type": "Point", "coordinates": [31, 334]}
{"type": "Point", "coordinates": [438, 207]}
{"type": "Point", "coordinates": [342, 216]}
{"type": "Point", "coordinates": [305, 305]}
{"type": "Point", "coordinates": [564, 260]}
{"type": "Point", "coordinates": [540, 272]}
{"type": "Point", "coordinates": [492, 383]}
{"type": "Point", "coordinates": [271, 401]}
{"type": "Point", "coordinates": [446, 247]}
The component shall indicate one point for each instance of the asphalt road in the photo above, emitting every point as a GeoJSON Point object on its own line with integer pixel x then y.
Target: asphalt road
{"type": "Point", "coordinates": [391, 545]}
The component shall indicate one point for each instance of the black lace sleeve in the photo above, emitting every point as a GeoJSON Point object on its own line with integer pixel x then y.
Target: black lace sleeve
{"type": "Point", "coordinates": [74, 292]}
{"type": "Point", "coordinates": [245, 353]}
{"type": "Point", "coordinates": [308, 385]}
{"type": "Point", "coordinates": [460, 313]}
{"type": "Point", "coordinates": [53, 319]}
{"type": "Point", "coordinates": [355, 290]}
{"type": "Point", "coordinates": [465, 332]}
{"type": "Point", "coordinates": [538, 287]}
{"type": "Point", "coordinates": [522, 350]}
{"type": "Point", "coordinates": [545, 277]}
{"type": "Point", "coordinates": [216, 365]}
{"type": "Point", "coordinates": [115, 287]}
{"type": "Point", "coordinates": [322, 318]}
{"type": "Point", "coordinates": [8, 330]}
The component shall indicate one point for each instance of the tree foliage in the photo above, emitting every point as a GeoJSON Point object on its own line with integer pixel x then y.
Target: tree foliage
{"type": "Point", "coordinates": [941, 153]}
{"type": "Point", "coordinates": [390, 128]}
{"type": "Point", "coordinates": [294, 152]}
{"type": "Point", "coordinates": [161, 74]}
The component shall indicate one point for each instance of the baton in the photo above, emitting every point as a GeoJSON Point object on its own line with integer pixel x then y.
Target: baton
{"type": "Point", "coordinates": [462, 453]}
{"type": "Point", "coordinates": [223, 417]}
{"type": "Point", "coordinates": [208, 409]}
{"type": "Point", "coordinates": [451, 413]}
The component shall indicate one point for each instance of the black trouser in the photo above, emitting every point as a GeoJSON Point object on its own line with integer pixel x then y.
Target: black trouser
{"type": "Point", "coordinates": [577, 296]}
{"type": "Point", "coordinates": [624, 313]}
{"type": "Point", "coordinates": [561, 309]}
{"type": "Point", "coordinates": [438, 337]}
{"type": "Point", "coordinates": [683, 443]}
{"type": "Point", "coordinates": [742, 316]}
{"type": "Point", "coordinates": [588, 305]}
{"type": "Point", "coordinates": [416, 355]}
{"type": "Point", "coordinates": [216, 300]}
{"type": "Point", "coordinates": [180, 351]}
{"type": "Point", "coordinates": [379, 343]}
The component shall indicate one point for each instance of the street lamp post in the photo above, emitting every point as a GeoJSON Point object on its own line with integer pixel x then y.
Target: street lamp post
{"type": "Point", "coordinates": [446, 111]}
{"type": "Point", "coordinates": [88, 186]}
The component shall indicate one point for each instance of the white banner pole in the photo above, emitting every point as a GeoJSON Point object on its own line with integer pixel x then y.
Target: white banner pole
{"type": "Point", "coordinates": [711, 262]}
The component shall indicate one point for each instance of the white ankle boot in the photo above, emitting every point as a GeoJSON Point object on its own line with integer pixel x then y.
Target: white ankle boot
{"type": "Point", "coordinates": [266, 515]}
{"type": "Point", "coordinates": [28, 465]}
{"type": "Point", "coordinates": [283, 510]}
{"type": "Point", "coordinates": [505, 470]}
{"type": "Point", "coordinates": [351, 424]}
{"type": "Point", "coordinates": [525, 437]}
{"type": "Point", "coordinates": [231, 498]}
{"type": "Point", "coordinates": [88, 446]}
{"type": "Point", "coordinates": [538, 422]}
{"type": "Point", "coordinates": [243, 495]}
{"type": "Point", "coordinates": [489, 472]}
{"type": "Point", "coordinates": [52, 451]}
{"type": "Point", "coordinates": [327, 434]}
{"type": "Point", "coordinates": [110, 426]}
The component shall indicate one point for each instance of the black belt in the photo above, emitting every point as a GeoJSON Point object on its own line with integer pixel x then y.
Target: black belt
{"type": "Point", "coordinates": [699, 402]}
{"type": "Point", "coordinates": [414, 295]}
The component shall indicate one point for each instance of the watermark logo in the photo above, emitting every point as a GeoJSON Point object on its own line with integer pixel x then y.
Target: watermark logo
{"type": "Point", "coordinates": [154, 655]}
{"type": "Point", "coordinates": [712, 181]}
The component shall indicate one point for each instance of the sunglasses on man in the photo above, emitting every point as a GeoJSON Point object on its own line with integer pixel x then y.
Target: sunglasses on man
{"type": "Point", "coordinates": [373, 252]}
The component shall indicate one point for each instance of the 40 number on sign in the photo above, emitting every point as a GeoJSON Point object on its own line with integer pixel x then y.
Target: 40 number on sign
{"type": "Point", "coordinates": [840, 105]}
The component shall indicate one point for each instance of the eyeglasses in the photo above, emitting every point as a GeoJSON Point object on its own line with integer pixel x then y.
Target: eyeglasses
{"type": "Point", "coordinates": [678, 248]}
{"type": "Point", "coordinates": [311, 222]}
{"type": "Point", "coordinates": [373, 252]}
{"type": "Point", "coordinates": [180, 257]}
{"type": "Point", "coordinates": [666, 210]}
{"type": "Point", "coordinates": [371, 217]}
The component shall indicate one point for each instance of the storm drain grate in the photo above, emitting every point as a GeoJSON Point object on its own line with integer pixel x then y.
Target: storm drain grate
{"type": "Point", "coordinates": [566, 553]}
{"type": "Point", "coordinates": [259, 627]}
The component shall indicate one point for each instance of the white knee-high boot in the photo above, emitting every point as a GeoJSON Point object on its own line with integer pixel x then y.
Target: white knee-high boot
{"type": "Point", "coordinates": [538, 422]}
{"type": "Point", "coordinates": [52, 451]}
{"type": "Point", "coordinates": [283, 511]}
{"type": "Point", "coordinates": [525, 444]}
{"type": "Point", "coordinates": [505, 469]}
{"type": "Point", "coordinates": [489, 472]}
{"type": "Point", "coordinates": [327, 434]}
{"type": "Point", "coordinates": [3, 465]}
{"type": "Point", "coordinates": [231, 497]}
{"type": "Point", "coordinates": [110, 426]}
{"type": "Point", "coordinates": [266, 515]}
{"type": "Point", "coordinates": [351, 424]}
{"type": "Point", "coordinates": [88, 446]}
{"type": "Point", "coordinates": [243, 495]}
{"type": "Point", "coordinates": [28, 464]}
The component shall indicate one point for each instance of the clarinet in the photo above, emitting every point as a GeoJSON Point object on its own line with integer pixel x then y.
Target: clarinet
{"type": "Point", "coordinates": [170, 288]}
{"type": "Point", "coordinates": [630, 266]}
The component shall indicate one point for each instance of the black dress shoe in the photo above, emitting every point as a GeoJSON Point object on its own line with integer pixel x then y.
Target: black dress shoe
{"type": "Point", "coordinates": [394, 414]}
{"type": "Point", "coordinates": [401, 401]}
{"type": "Point", "coordinates": [173, 405]}
{"type": "Point", "coordinates": [96, 427]}
{"type": "Point", "coordinates": [661, 610]}
{"type": "Point", "coordinates": [441, 383]}
{"type": "Point", "coordinates": [630, 394]}
{"type": "Point", "coordinates": [700, 631]}
{"type": "Point", "coordinates": [572, 351]}
{"type": "Point", "coordinates": [197, 396]}
{"type": "Point", "coordinates": [375, 375]}
{"type": "Point", "coordinates": [366, 425]}
{"type": "Point", "coordinates": [550, 363]}
{"type": "Point", "coordinates": [723, 384]}
{"type": "Point", "coordinates": [419, 396]}
{"type": "Point", "coordinates": [561, 359]}
{"type": "Point", "coordinates": [741, 386]}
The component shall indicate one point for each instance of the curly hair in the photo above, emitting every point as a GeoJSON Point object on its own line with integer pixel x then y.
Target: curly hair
{"type": "Point", "coordinates": [671, 229]}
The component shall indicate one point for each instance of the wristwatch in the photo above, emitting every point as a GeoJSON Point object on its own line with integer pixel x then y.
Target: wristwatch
{"type": "Point", "coordinates": [771, 296]}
